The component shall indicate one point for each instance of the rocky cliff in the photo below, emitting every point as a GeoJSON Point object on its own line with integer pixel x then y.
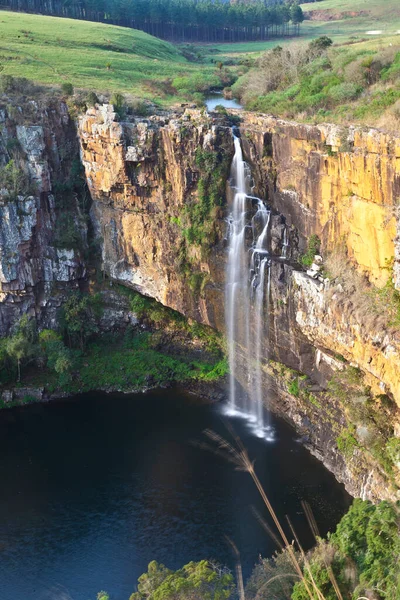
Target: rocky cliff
{"type": "Point", "coordinates": [158, 215]}
{"type": "Point", "coordinates": [39, 264]}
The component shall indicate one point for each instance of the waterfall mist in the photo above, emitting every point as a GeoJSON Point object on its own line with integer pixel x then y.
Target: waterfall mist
{"type": "Point", "coordinates": [248, 283]}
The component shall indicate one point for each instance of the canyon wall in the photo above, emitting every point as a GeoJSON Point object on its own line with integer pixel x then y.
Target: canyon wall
{"type": "Point", "coordinates": [38, 264]}
{"type": "Point", "coordinates": [148, 177]}
{"type": "Point", "coordinates": [339, 184]}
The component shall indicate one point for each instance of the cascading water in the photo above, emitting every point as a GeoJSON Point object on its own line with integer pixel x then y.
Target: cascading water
{"type": "Point", "coordinates": [247, 296]}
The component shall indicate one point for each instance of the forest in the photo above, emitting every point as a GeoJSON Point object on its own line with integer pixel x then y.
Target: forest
{"type": "Point", "coordinates": [180, 20]}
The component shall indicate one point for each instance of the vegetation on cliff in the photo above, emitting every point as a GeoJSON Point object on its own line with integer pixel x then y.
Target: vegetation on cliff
{"type": "Point", "coordinates": [358, 82]}
{"type": "Point", "coordinates": [82, 356]}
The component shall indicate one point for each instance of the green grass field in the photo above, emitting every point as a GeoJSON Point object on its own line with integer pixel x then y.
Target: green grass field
{"type": "Point", "coordinates": [377, 15]}
{"type": "Point", "coordinates": [92, 56]}
{"type": "Point", "coordinates": [362, 17]}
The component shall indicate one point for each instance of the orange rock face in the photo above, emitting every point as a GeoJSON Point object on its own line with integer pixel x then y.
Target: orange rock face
{"type": "Point", "coordinates": [141, 176]}
{"type": "Point", "coordinates": [342, 184]}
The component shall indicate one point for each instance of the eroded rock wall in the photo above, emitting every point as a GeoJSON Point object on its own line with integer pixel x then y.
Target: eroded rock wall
{"type": "Point", "coordinates": [342, 184]}
{"type": "Point", "coordinates": [142, 176]}
{"type": "Point", "coordinates": [36, 271]}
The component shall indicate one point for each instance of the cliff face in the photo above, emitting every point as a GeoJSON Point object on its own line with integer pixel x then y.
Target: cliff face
{"type": "Point", "coordinates": [36, 269]}
{"type": "Point", "coordinates": [142, 176]}
{"type": "Point", "coordinates": [340, 185]}
{"type": "Point", "coordinates": [148, 180]}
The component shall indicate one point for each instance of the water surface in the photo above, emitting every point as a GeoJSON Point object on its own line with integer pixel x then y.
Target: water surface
{"type": "Point", "coordinates": [218, 99]}
{"type": "Point", "coordinates": [95, 487]}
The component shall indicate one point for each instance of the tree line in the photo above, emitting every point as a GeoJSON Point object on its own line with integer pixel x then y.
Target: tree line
{"type": "Point", "coordinates": [181, 20]}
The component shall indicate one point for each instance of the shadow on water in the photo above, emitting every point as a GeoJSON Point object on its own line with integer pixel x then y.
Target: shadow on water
{"type": "Point", "coordinates": [95, 487]}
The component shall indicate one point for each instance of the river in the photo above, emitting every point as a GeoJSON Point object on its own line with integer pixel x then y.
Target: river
{"type": "Point", "coordinates": [94, 487]}
{"type": "Point", "coordinates": [217, 99]}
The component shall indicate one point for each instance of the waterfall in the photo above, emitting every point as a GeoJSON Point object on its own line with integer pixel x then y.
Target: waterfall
{"type": "Point", "coordinates": [248, 281]}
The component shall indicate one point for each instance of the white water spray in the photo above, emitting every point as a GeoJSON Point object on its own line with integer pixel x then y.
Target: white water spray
{"type": "Point", "coordinates": [247, 297]}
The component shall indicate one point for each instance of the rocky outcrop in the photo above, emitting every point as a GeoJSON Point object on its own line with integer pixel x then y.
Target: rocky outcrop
{"type": "Point", "coordinates": [142, 176]}
{"type": "Point", "coordinates": [36, 270]}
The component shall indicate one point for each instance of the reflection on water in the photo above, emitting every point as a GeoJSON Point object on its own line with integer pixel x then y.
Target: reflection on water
{"type": "Point", "coordinates": [95, 487]}
{"type": "Point", "coordinates": [218, 99]}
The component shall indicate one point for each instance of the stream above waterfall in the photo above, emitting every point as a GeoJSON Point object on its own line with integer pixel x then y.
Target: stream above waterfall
{"type": "Point", "coordinates": [95, 487]}
{"type": "Point", "coordinates": [217, 99]}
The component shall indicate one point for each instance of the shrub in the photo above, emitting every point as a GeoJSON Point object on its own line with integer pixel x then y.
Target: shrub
{"type": "Point", "coordinates": [15, 181]}
{"type": "Point", "coordinates": [118, 102]}
{"type": "Point", "coordinates": [197, 580]}
{"type": "Point", "coordinates": [92, 99]}
{"type": "Point", "coordinates": [6, 84]}
{"type": "Point", "coordinates": [347, 443]}
{"type": "Point", "coordinates": [313, 248]}
{"type": "Point", "coordinates": [139, 107]}
{"type": "Point", "coordinates": [293, 387]}
{"type": "Point", "coordinates": [393, 450]}
{"type": "Point", "coordinates": [67, 89]}
{"type": "Point", "coordinates": [344, 92]}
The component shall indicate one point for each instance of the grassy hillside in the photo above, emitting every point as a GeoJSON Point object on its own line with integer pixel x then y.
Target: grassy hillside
{"type": "Point", "coordinates": [92, 56]}
{"type": "Point", "coordinates": [351, 83]}
{"type": "Point", "coordinates": [342, 20]}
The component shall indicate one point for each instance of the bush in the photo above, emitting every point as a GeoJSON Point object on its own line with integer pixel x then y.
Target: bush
{"type": "Point", "coordinates": [347, 443]}
{"type": "Point", "coordinates": [194, 580]}
{"type": "Point", "coordinates": [92, 99]}
{"type": "Point", "coordinates": [6, 84]}
{"type": "Point", "coordinates": [15, 181]}
{"type": "Point", "coordinates": [67, 89]}
{"type": "Point", "coordinates": [139, 107]}
{"type": "Point", "coordinates": [345, 92]}
{"type": "Point", "coordinates": [118, 102]}
{"type": "Point", "coordinates": [313, 248]}
{"type": "Point", "coordinates": [293, 387]}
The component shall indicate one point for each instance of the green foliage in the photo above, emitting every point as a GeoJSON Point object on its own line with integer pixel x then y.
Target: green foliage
{"type": "Point", "coordinates": [393, 450]}
{"type": "Point", "coordinates": [313, 248]}
{"type": "Point", "coordinates": [319, 45]}
{"type": "Point", "coordinates": [92, 99]}
{"type": "Point", "coordinates": [368, 539]}
{"type": "Point", "coordinates": [67, 89]}
{"type": "Point", "coordinates": [324, 82]}
{"type": "Point", "coordinates": [293, 387]}
{"type": "Point", "coordinates": [370, 536]}
{"type": "Point", "coordinates": [198, 216]}
{"type": "Point", "coordinates": [21, 345]}
{"type": "Point", "coordinates": [388, 299]}
{"type": "Point", "coordinates": [320, 575]}
{"type": "Point", "coordinates": [347, 443]}
{"type": "Point", "coordinates": [103, 596]}
{"type": "Point", "coordinates": [15, 181]}
{"type": "Point", "coordinates": [78, 317]}
{"type": "Point", "coordinates": [194, 579]}
{"type": "Point", "coordinates": [58, 356]}
{"type": "Point", "coordinates": [118, 101]}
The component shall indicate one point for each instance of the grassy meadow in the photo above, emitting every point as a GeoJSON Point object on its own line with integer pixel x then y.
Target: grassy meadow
{"type": "Point", "coordinates": [341, 20]}
{"type": "Point", "coordinates": [92, 56]}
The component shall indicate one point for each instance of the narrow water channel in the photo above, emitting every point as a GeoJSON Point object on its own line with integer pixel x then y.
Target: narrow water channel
{"type": "Point", "coordinates": [95, 487]}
